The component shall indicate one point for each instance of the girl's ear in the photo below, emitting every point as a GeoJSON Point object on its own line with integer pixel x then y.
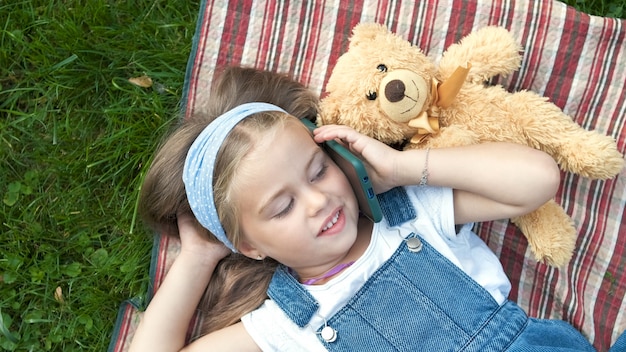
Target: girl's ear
{"type": "Point", "coordinates": [249, 250]}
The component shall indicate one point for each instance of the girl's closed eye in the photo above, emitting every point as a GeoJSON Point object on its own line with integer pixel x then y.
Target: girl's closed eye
{"type": "Point", "coordinates": [321, 172]}
{"type": "Point", "coordinates": [282, 213]}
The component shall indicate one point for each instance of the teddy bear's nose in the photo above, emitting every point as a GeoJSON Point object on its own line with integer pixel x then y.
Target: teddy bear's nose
{"type": "Point", "coordinates": [394, 91]}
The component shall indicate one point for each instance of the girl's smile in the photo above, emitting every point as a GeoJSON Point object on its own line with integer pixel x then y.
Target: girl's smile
{"type": "Point", "coordinates": [334, 225]}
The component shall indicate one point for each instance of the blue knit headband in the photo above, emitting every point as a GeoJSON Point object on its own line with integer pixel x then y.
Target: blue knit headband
{"type": "Point", "coordinates": [200, 163]}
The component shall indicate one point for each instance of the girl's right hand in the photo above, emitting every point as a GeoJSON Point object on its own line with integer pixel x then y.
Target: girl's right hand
{"type": "Point", "coordinates": [195, 241]}
{"type": "Point", "coordinates": [379, 159]}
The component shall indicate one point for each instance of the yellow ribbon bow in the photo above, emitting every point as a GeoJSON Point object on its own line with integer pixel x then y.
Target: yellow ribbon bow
{"type": "Point", "coordinates": [443, 96]}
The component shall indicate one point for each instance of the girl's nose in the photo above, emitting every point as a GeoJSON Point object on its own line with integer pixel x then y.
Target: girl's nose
{"type": "Point", "coordinates": [316, 200]}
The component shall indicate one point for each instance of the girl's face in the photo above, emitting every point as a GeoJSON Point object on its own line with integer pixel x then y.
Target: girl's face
{"type": "Point", "coordinates": [296, 205]}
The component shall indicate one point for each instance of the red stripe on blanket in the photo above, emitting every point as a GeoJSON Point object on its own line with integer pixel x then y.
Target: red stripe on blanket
{"type": "Point", "coordinates": [606, 68]}
{"type": "Point", "coordinates": [122, 333]}
{"type": "Point", "coordinates": [502, 13]}
{"type": "Point", "coordinates": [233, 42]}
{"type": "Point", "coordinates": [273, 27]}
{"type": "Point", "coordinates": [301, 66]}
{"type": "Point", "coordinates": [388, 12]}
{"type": "Point", "coordinates": [197, 62]}
{"type": "Point", "coordinates": [566, 56]}
{"type": "Point", "coordinates": [348, 16]}
{"type": "Point", "coordinates": [534, 40]}
{"type": "Point", "coordinates": [609, 305]}
{"type": "Point", "coordinates": [381, 13]}
{"type": "Point", "coordinates": [461, 23]}
{"type": "Point", "coordinates": [421, 36]}
{"type": "Point", "coordinates": [162, 263]}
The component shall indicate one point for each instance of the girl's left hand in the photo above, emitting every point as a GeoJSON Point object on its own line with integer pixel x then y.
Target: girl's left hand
{"type": "Point", "coordinates": [379, 158]}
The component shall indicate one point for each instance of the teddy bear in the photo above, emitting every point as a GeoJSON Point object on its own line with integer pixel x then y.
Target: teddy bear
{"type": "Point", "coordinates": [388, 89]}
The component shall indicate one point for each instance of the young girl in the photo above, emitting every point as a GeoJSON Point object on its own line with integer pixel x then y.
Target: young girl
{"type": "Point", "coordinates": [259, 182]}
{"type": "Point", "coordinates": [238, 284]}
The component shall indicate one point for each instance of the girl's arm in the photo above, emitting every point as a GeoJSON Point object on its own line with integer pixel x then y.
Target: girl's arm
{"type": "Point", "coordinates": [490, 181]}
{"type": "Point", "coordinates": [163, 326]}
{"type": "Point", "coordinates": [234, 338]}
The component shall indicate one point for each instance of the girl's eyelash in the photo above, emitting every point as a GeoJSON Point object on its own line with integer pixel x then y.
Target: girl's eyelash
{"type": "Point", "coordinates": [317, 176]}
{"type": "Point", "coordinates": [286, 210]}
{"type": "Point", "coordinates": [322, 172]}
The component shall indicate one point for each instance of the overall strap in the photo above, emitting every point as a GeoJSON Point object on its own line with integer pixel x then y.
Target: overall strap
{"type": "Point", "coordinates": [292, 297]}
{"type": "Point", "coordinates": [396, 206]}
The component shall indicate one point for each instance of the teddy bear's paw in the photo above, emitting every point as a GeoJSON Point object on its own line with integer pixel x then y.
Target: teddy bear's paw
{"type": "Point", "coordinates": [595, 157]}
{"type": "Point", "coordinates": [490, 50]}
{"type": "Point", "coordinates": [550, 233]}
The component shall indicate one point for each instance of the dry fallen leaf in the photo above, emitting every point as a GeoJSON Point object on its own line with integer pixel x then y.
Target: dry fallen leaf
{"type": "Point", "coordinates": [58, 295]}
{"type": "Point", "coordinates": [143, 81]}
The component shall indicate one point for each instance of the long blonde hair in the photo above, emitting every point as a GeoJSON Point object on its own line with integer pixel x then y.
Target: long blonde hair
{"type": "Point", "coordinates": [238, 284]}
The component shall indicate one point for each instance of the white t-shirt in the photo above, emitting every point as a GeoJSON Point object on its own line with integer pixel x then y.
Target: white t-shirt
{"type": "Point", "coordinates": [272, 330]}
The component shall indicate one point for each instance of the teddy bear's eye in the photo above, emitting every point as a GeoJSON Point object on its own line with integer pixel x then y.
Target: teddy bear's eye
{"type": "Point", "coordinates": [371, 95]}
{"type": "Point", "coordinates": [381, 68]}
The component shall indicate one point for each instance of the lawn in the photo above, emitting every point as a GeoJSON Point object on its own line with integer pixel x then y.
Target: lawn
{"type": "Point", "coordinates": [75, 139]}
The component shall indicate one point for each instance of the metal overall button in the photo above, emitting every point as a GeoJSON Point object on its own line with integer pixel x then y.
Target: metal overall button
{"type": "Point", "coordinates": [414, 244]}
{"type": "Point", "coordinates": [329, 334]}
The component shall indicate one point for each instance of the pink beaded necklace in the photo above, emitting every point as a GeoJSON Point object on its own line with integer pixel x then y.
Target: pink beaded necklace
{"type": "Point", "coordinates": [333, 271]}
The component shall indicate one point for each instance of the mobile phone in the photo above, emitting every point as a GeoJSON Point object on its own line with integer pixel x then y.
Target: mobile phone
{"type": "Point", "coordinates": [355, 171]}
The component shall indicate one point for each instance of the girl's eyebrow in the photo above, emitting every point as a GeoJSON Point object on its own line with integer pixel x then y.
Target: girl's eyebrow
{"type": "Point", "coordinates": [266, 203]}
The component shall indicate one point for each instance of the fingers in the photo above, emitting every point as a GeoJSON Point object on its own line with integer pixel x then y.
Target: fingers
{"type": "Point", "coordinates": [378, 157]}
{"type": "Point", "coordinates": [197, 242]}
{"type": "Point", "coordinates": [347, 136]}
{"type": "Point", "coordinates": [189, 229]}
{"type": "Point", "coordinates": [358, 143]}
{"type": "Point", "coordinates": [330, 132]}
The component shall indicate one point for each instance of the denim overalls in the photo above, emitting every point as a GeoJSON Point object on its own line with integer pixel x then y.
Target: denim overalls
{"type": "Point", "coordinates": [420, 301]}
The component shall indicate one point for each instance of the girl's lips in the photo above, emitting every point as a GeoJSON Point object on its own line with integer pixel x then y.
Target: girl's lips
{"type": "Point", "coordinates": [333, 224]}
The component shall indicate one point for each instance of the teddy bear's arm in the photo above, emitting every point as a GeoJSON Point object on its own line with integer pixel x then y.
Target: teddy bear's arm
{"type": "Point", "coordinates": [490, 50]}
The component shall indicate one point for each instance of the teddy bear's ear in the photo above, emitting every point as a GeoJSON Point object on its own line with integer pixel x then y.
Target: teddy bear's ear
{"type": "Point", "coordinates": [366, 33]}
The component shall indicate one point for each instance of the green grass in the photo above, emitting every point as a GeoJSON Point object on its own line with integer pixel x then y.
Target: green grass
{"type": "Point", "coordinates": [606, 8]}
{"type": "Point", "coordinates": [75, 137]}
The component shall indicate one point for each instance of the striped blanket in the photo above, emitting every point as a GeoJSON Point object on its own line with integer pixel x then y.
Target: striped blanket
{"type": "Point", "coordinates": [576, 60]}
